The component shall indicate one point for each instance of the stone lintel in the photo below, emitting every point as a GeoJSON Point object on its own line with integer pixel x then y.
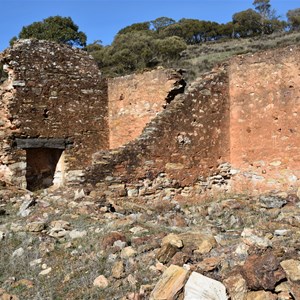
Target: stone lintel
{"type": "Point", "coordinates": [41, 143]}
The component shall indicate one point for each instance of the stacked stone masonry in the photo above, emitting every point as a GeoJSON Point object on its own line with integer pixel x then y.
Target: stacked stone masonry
{"type": "Point", "coordinates": [52, 91]}
{"type": "Point", "coordinates": [234, 128]}
{"type": "Point", "coordinates": [188, 139]}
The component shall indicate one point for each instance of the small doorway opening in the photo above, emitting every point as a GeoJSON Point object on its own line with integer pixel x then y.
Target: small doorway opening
{"type": "Point", "coordinates": [41, 167]}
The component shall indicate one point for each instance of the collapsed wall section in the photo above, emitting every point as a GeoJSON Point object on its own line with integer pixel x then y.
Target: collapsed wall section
{"type": "Point", "coordinates": [187, 140]}
{"type": "Point", "coordinates": [134, 100]}
{"type": "Point", "coordinates": [264, 119]}
{"type": "Point", "coordinates": [53, 92]}
{"type": "Point", "coordinates": [236, 128]}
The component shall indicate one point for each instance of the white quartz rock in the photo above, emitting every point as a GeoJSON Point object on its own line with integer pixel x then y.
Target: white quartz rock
{"type": "Point", "coordinates": [199, 287]}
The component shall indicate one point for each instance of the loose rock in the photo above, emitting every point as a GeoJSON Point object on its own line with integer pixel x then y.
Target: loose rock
{"type": "Point", "coordinates": [170, 283]}
{"type": "Point", "coordinates": [292, 269]}
{"type": "Point", "coordinates": [202, 287]}
{"type": "Point", "coordinates": [262, 272]}
{"type": "Point", "coordinates": [101, 282]}
{"type": "Point", "coordinates": [35, 226]}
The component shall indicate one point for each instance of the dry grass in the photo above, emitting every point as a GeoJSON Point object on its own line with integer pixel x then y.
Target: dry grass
{"type": "Point", "coordinates": [201, 58]}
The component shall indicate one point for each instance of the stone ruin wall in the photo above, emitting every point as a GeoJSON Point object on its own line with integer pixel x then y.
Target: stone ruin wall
{"type": "Point", "coordinates": [188, 140]}
{"type": "Point", "coordinates": [134, 100]}
{"type": "Point", "coordinates": [264, 120]}
{"type": "Point", "coordinates": [53, 92]}
{"type": "Point", "coordinates": [235, 128]}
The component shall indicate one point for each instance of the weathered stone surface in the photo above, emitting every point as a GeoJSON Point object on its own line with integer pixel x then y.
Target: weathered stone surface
{"type": "Point", "coordinates": [209, 264]}
{"type": "Point", "coordinates": [131, 280]}
{"type": "Point", "coordinates": [109, 239]}
{"type": "Point", "coordinates": [202, 287]}
{"type": "Point", "coordinates": [294, 289]}
{"type": "Point", "coordinates": [25, 207]}
{"type": "Point", "coordinates": [18, 252]}
{"type": "Point", "coordinates": [292, 268]}
{"type": "Point", "coordinates": [172, 239]}
{"type": "Point", "coordinates": [118, 270]}
{"type": "Point", "coordinates": [166, 252]}
{"type": "Point", "coordinates": [24, 283]}
{"type": "Point", "coordinates": [35, 262]}
{"type": "Point", "coordinates": [35, 226]}
{"type": "Point", "coordinates": [262, 272]}
{"type": "Point", "coordinates": [261, 295]}
{"type": "Point", "coordinates": [41, 143]}
{"type": "Point", "coordinates": [251, 238]}
{"type": "Point", "coordinates": [6, 296]}
{"type": "Point", "coordinates": [101, 282]}
{"type": "Point", "coordinates": [272, 201]}
{"type": "Point", "coordinates": [128, 252]}
{"type": "Point", "coordinates": [43, 98]}
{"type": "Point", "coordinates": [79, 194]}
{"type": "Point", "coordinates": [59, 228]}
{"type": "Point", "coordinates": [60, 224]}
{"type": "Point", "coordinates": [77, 234]}
{"type": "Point", "coordinates": [197, 241]}
{"type": "Point", "coordinates": [236, 286]}
{"type": "Point", "coordinates": [170, 283]}
{"type": "Point", "coordinates": [46, 271]}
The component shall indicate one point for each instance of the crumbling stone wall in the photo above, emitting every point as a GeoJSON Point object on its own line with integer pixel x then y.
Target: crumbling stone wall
{"type": "Point", "coordinates": [187, 140]}
{"type": "Point", "coordinates": [236, 127]}
{"type": "Point", "coordinates": [134, 100]}
{"type": "Point", "coordinates": [264, 119]}
{"type": "Point", "coordinates": [54, 92]}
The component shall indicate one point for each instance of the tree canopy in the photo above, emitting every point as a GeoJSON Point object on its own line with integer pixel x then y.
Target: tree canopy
{"type": "Point", "coordinates": [293, 17]}
{"type": "Point", "coordinates": [161, 41]}
{"type": "Point", "coordinates": [247, 23]}
{"type": "Point", "coordinates": [162, 22]}
{"type": "Point", "coordinates": [57, 28]}
{"type": "Point", "coordinates": [133, 50]}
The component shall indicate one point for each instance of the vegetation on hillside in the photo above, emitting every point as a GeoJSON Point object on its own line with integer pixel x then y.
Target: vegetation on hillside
{"type": "Point", "coordinates": [171, 43]}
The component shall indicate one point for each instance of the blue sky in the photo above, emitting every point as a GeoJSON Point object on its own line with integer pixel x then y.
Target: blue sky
{"type": "Point", "coordinates": [102, 19]}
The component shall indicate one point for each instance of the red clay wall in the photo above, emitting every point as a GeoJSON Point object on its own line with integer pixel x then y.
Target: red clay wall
{"type": "Point", "coordinates": [246, 114]}
{"type": "Point", "coordinates": [264, 119]}
{"type": "Point", "coordinates": [134, 100]}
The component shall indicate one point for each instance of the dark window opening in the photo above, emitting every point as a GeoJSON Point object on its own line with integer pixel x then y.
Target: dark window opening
{"type": "Point", "coordinates": [41, 166]}
{"type": "Point", "coordinates": [46, 113]}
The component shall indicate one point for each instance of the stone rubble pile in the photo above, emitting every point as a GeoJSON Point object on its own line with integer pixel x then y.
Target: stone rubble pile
{"type": "Point", "coordinates": [232, 247]}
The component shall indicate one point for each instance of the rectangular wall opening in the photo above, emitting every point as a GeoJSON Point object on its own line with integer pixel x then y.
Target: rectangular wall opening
{"type": "Point", "coordinates": [42, 166]}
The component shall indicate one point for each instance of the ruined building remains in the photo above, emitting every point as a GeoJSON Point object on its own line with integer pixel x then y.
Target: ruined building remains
{"type": "Point", "coordinates": [235, 128]}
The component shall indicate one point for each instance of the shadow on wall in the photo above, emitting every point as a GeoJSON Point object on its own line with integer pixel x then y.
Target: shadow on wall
{"type": "Point", "coordinates": [41, 167]}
